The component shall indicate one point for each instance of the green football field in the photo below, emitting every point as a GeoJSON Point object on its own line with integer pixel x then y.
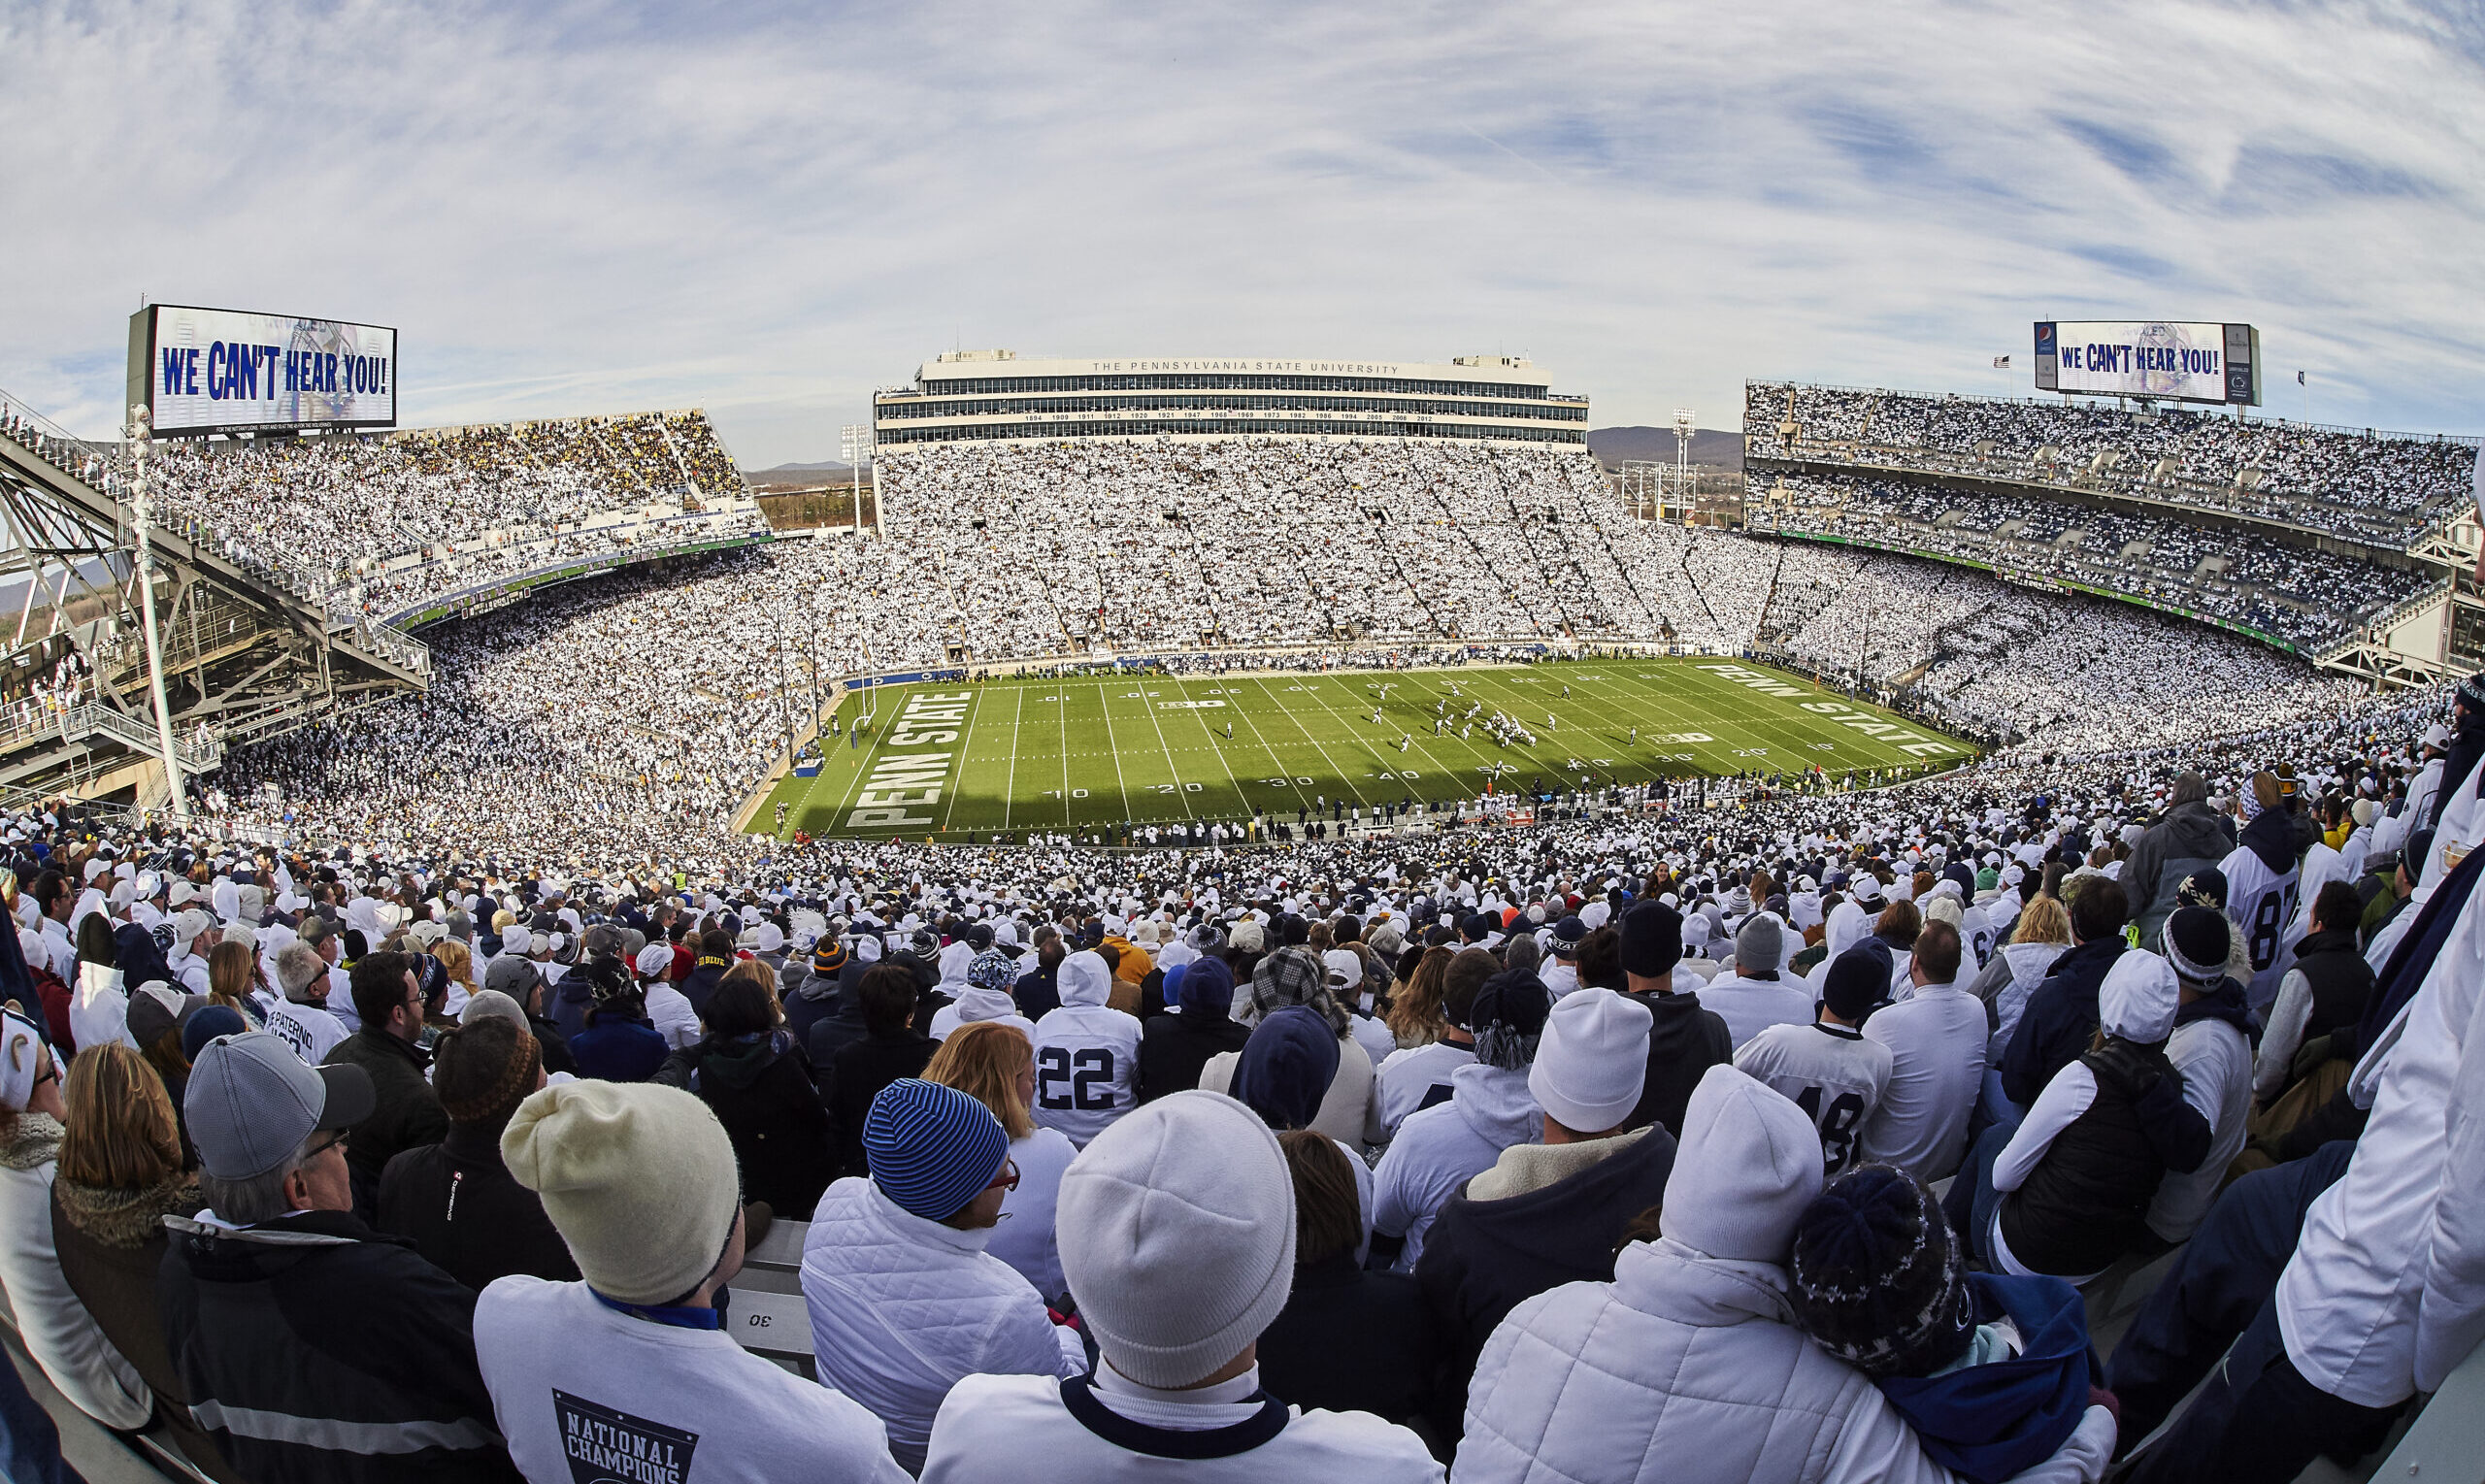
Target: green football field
{"type": "Point", "coordinates": [1014, 755]}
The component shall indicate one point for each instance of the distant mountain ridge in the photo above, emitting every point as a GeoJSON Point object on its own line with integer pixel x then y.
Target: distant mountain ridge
{"type": "Point", "coordinates": [1713, 448]}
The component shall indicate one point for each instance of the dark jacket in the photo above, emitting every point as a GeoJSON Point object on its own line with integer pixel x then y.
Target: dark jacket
{"type": "Point", "coordinates": [700, 981]}
{"type": "Point", "coordinates": [1351, 1341]}
{"type": "Point", "coordinates": [112, 1245]}
{"type": "Point", "coordinates": [2086, 1203]}
{"type": "Point", "coordinates": [569, 1002]}
{"type": "Point", "coordinates": [2059, 1021]}
{"type": "Point", "coordinates": [831, 1033]}
{"type": "Point", "coordinates": [1684, 1042]}
{"type": "Point", "coordinates": [2334, 970]}
{"type": "Point", "coordinates": [1175, 1049]}
{"type": "Point", "coordinates": [466, 1215]}
{"type": "Point", "coordinates": [2190, 836]}
{"type": "Point", "coordinates": [760, 1089]}
{"type": "Point", "coordinates": [618, 1049]}
{"type": "Point", "coordinates": [555, 1045]}
{"type": "Point", "coordinates": [408, 1112]}
{"type": "Point", "coordinates": [356, 1355]}
{"type": "Point", "coordinates": [808, 999]}
{"type": "Point", "coordinates": [1482, 1258]}
{"type": "Point", "coordinates": [860, 1070]}
{"type": "Point", "coordinates": [1039, 991]}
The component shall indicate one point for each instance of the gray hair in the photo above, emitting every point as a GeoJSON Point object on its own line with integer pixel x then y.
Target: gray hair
{"type": "Point", "coordinates": [246, 1202]}
{"type": "Point", "coordinates": [298, 967]}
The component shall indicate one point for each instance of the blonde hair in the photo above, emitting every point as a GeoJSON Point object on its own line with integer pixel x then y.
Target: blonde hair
{"type": "Point", "coordinates": [458, 960]}
{"type": "Point", "coordinates": [982, 1059]}
{"type": "Point", "coordinates": [229, 968]}
{"type": "Point", "coordinates": [121, 1133]}
{"type": "Point", "coordinates": [2045, 920]}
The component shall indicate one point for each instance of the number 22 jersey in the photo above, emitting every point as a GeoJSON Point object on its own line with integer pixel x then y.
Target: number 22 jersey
{"type": "Point", "coordinates": [1086, 1054]}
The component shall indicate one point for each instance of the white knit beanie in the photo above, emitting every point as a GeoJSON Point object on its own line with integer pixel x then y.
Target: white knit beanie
{"type": "Point", "coordinates": [1593, 1058]}
{"type": "Point", "coordinates": [1749, 1162]}
{"type": "Point", "coordinates": [1177, 1233]}
{"type": "Point", "coordinates": [638, 1177]}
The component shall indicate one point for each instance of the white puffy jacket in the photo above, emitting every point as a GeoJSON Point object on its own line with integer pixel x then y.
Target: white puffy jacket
{"type": "Point", "coordinates": [1685, 1368]}
{"type": "Point", "coordinates": [903, 1308]}
{"type": "Point", "coordinates": [58, 1331]}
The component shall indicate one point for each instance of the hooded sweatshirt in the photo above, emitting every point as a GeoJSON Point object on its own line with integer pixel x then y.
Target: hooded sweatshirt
{"type": "Point", "coordinates": [1086, 1054]}
{"type": "Point", "coordinates": [1442, 1149]}
{"type": "Point", "coordinates": [2191, 836]}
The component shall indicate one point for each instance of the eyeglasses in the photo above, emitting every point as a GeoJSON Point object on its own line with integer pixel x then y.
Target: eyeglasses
{"type": "Point", "coordinates": [331, 1142]}
{"type": "Point", "coordinates": [1008, 1179]}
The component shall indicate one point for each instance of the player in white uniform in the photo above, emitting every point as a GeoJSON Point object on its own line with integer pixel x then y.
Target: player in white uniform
{"type": "Point", "coordinates": [1827, 1068]}
{"type": "Point", "coordinates": [1086, 1054]}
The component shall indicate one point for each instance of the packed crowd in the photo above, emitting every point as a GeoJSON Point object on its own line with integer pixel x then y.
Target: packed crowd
{"type": "Point", "coordinates": [2381, 490]}
{"type": "Point", "coordinates": [1789, 1141]}
{"type": "Point", "coordinates": [1265, 541]}
{"type": "Point", "coordinates": [390, 520]}
{"type": "Point", "coordinates": [525, 750]}
{"type": "Point", "coordinates": [2307, 599]}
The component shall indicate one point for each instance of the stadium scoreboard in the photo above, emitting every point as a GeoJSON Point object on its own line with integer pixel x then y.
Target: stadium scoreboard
{"type": "Point", "coordinates": [201, 370]}
{"type": "Point", "coordinates": [2170, 360]}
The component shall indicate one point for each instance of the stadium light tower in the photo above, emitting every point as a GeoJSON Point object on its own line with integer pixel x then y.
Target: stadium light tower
{"type": "Point", "coordinates": [141, 442]}
{"type": "Point", "coordinates": [856, 442]}
{"type": "Point", "coordinates": [1683, 419]}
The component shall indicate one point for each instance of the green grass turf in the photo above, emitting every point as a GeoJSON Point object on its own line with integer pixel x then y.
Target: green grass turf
{"type": "Point", "coordinates": [1098, 750]}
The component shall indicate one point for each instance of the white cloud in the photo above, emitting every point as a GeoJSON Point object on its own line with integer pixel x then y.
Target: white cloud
{"type": "Point", "coordinates": [574, 209]}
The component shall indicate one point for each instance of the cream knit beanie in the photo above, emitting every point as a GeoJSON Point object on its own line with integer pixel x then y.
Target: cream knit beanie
{"type": "Point", "coordinates": [1177, 1233]}
{"type": "Point", "coordinates": [638, 1177]}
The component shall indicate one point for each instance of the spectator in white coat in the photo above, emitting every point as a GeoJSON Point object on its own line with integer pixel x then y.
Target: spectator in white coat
{"type": "Point", "coordinates": [1086, 1054]}
{"type": "Point", "coordinates": [632, 1363]}
{"type": "Point", "coordinates": [905, 1301]}
{"type": "Point", "coordinates": [57, 1329]}
{"type": "Point", "coordinates": [1177, 1233]}
{"type": "Point", "coordinates": [1687, 1367]}
{"type": "Point", "coordinates": [1936, 1036]}
{"type": "Point", "coordinates": [1758, 993]}
{"type": "Point", "coordinates": [1490, 1108]}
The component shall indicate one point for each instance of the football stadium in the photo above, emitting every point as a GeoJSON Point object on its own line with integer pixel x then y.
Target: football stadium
{"type": "Point", "coordinates": [1330, 907]}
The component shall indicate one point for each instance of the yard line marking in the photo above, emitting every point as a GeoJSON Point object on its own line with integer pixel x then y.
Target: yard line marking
{"type": "Point", "coordinates": [1301, 799]}
{"type": "Point", "coordinates": [1061, 703]}
{"type": "Point", "coordinates": [1308, 690]}
{"type": "Point", "coordinates": [1180, 792]}
{"type": "Point", "coordinates": [1200, 716]}
{"type": "Point", "coordinates": [1116, 750]}
{"type": "Point", "coordinates": [1009, 789]}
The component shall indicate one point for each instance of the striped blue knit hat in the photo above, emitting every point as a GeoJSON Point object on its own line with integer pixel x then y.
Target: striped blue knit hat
{"type": "Point", "coordinates": [932, 1148]}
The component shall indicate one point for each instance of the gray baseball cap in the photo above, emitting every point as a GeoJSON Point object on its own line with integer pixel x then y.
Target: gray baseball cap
{"type": "Point", "coordinates": [251, 1103]}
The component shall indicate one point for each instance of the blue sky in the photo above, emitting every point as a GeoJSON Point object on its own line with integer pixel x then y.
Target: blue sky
{"type": "Point", "coordinates": [769, 211]}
